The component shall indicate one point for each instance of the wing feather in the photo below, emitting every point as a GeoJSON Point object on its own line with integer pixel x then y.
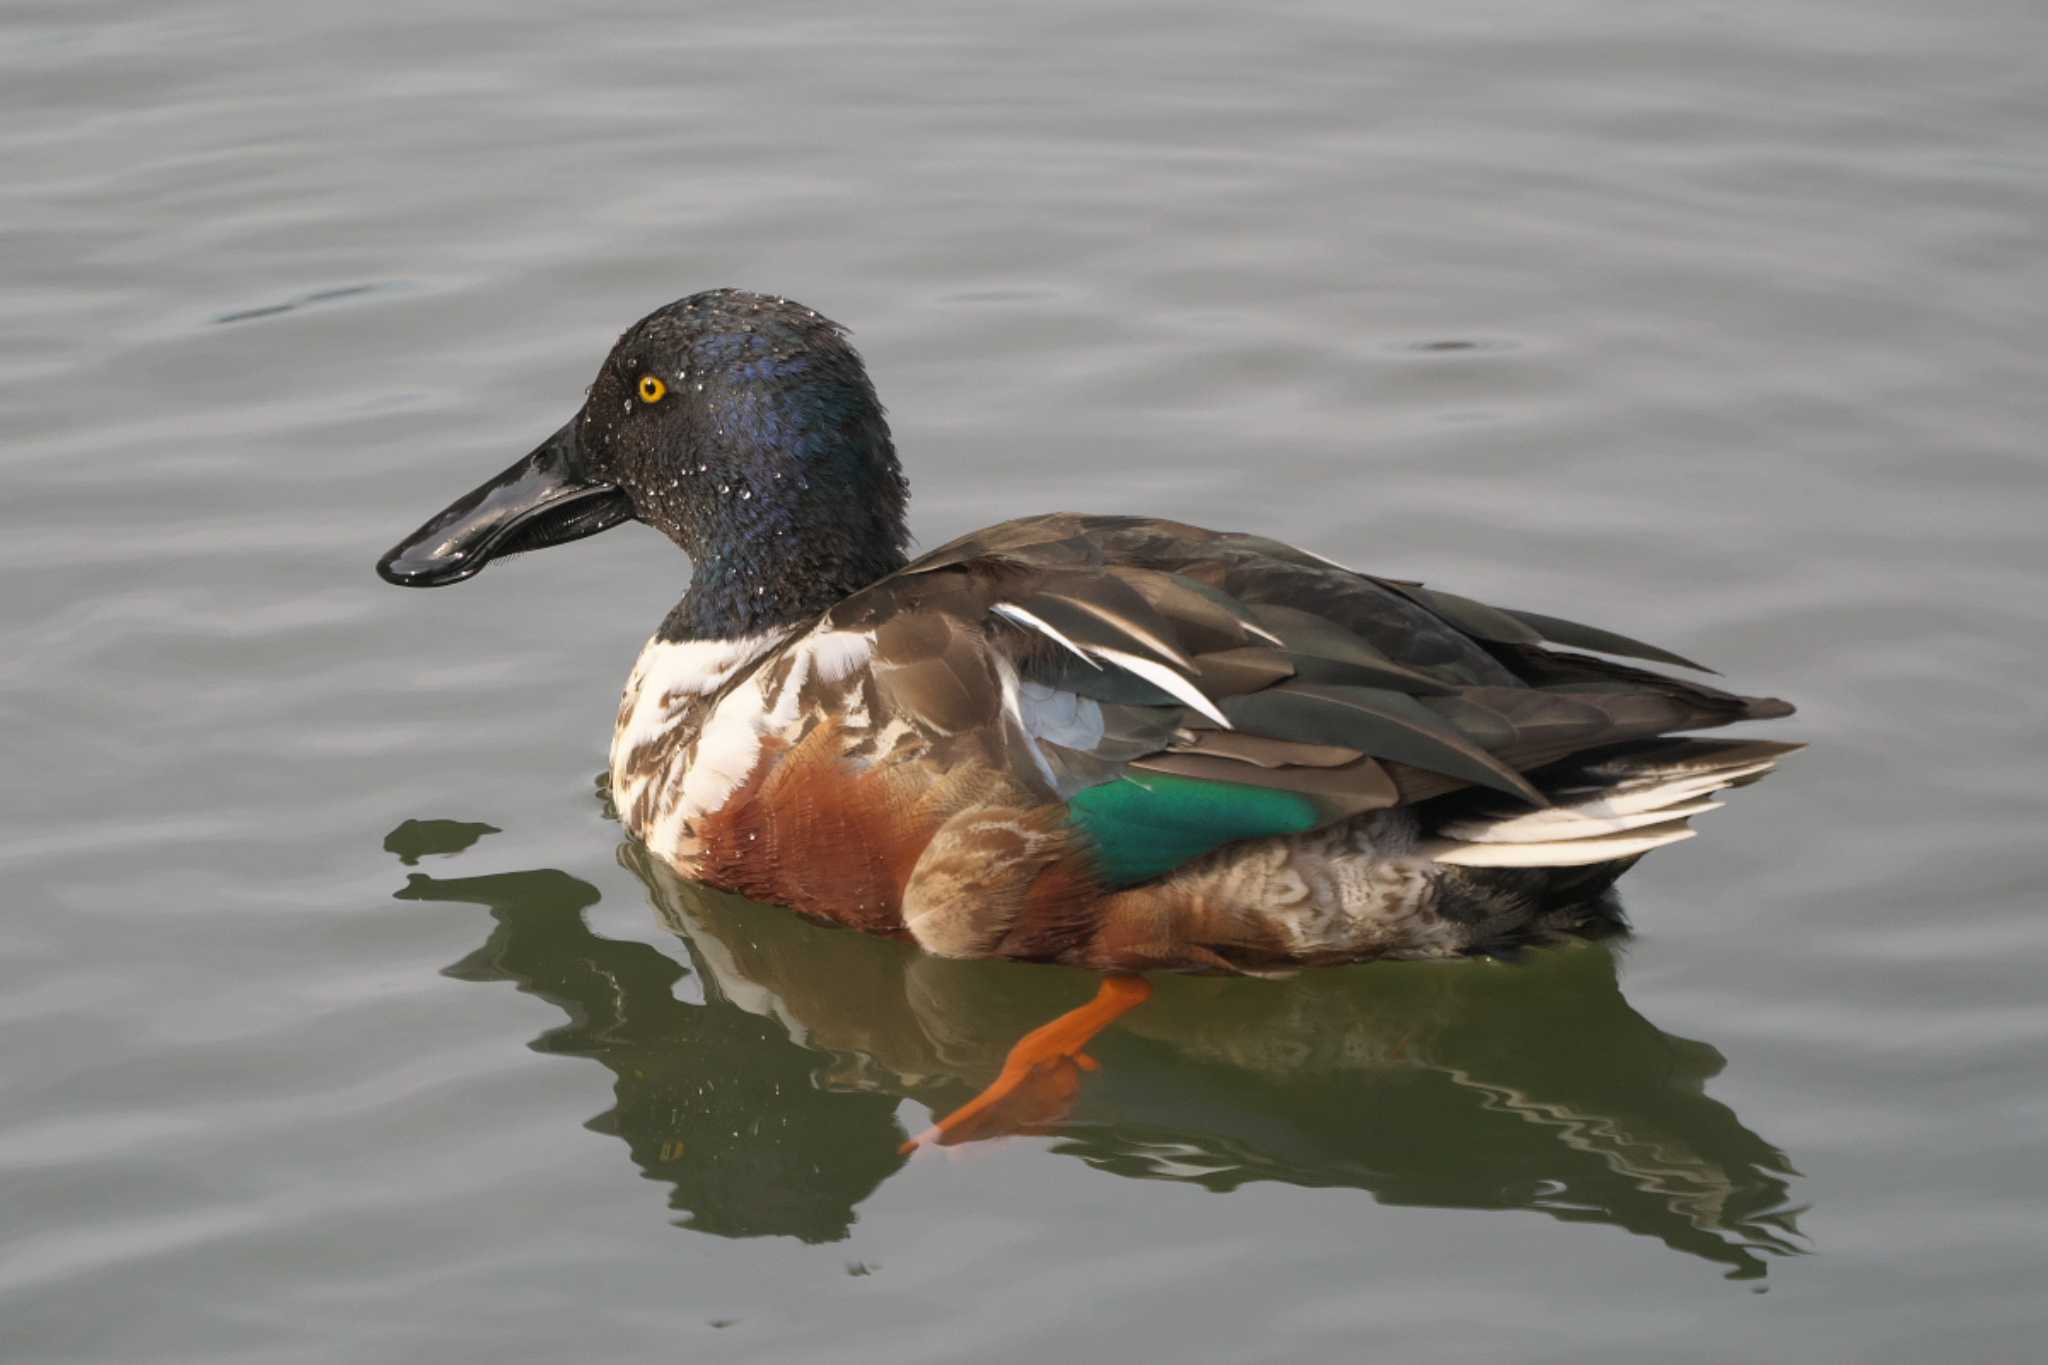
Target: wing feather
{"type": "Point", "coordinates": [1242, 662]}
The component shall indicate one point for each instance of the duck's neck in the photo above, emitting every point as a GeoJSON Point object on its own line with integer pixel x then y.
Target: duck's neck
{"type": "Point", "coordinates": [774, 582]}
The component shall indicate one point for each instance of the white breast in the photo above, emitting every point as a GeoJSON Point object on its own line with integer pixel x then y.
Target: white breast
{"type": "Point", "coordinates": [699, 772]}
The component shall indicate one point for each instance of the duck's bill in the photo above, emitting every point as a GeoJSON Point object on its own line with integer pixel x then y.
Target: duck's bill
{"type": "Point", "coordinates": [547, 498]}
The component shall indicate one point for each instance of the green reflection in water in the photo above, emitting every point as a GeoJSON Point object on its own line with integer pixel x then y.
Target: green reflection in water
{"type": "Point", "coordinates": [769, 1105]}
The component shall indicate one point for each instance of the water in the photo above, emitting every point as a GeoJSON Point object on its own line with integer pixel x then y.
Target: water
{"type": "Point", "coordinates": [1718, 326]}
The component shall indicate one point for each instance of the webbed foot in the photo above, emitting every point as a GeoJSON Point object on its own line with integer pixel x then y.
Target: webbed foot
{"type": "Point", "coordinates": [1042, 1075]}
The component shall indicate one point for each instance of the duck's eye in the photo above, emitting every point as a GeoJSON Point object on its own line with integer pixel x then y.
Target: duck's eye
{"type": "Point", "coordinates": [652, 390]}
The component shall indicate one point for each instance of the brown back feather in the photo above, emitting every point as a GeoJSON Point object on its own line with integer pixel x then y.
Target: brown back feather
{"type": "Point", "coordinates": [1351, 690]}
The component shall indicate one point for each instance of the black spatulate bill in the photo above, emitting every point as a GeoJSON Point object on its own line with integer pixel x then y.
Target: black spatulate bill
{"type": "Point", "coordinates": [548, 498]}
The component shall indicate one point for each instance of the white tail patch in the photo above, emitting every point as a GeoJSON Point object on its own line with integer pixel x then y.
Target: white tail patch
{"type": "Point", "coordinates": [1563, 853]}
{"type": "Point", "coordinates": [1631, 799]}
{"type": "Point", "coordinates": [1567, 822]}
{"type": "Point", "coordinates": [1590, 825]}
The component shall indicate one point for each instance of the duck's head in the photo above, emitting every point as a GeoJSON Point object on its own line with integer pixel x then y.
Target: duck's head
{"type": "Point", "coordinates": [742, 426]}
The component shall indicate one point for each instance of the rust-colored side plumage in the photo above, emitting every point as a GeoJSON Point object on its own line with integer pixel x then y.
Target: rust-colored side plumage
{"type": "Point", "coordinates": [808, 830]}
{"type": "Point", "coordinates": [964, 860]}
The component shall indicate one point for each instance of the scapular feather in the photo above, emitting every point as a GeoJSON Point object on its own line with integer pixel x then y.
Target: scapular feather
{"type": "Point", "coordinates": [1474, 618]}
{"type": "Point", "coordinates": [1130, 620]}
{"type": "Point", "coordinates": [1205, 619]}
{"type": "Point", "coordinates": [1571, 634]}
{"type": "Point", "coordinates": [1261, 750]}
{"type": "Point", "coordinates": [1377, 722]}
{"type": "Point", "coordinates": [1310, 636]}
{"type": "Point", "coordinates": [1245, 669]}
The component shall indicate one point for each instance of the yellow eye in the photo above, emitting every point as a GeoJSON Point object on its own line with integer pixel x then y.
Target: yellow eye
{"type": "Point", "coordinates": [652, 390]}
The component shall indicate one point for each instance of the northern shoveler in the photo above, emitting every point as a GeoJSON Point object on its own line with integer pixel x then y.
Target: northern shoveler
{"type": "Point", "coordinates": [1119, 742]}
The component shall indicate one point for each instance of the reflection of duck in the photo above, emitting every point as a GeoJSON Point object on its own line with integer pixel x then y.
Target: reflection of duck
{"type": "Point", "coordinates": [712, 1099]}
{"type": "Point", "coordinates": [771, 1106]}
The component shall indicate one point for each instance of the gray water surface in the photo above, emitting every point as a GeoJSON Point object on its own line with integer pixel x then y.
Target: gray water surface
{"type": "Point", "coordinates": [341, 1023]}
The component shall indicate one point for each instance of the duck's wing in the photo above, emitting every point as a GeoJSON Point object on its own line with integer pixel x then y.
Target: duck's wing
{"type": "Point", "coordinates": [1180, 688]}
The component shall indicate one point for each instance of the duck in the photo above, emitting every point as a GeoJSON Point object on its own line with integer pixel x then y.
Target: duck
{"type": "Point", "coordinates": [1123, 743]}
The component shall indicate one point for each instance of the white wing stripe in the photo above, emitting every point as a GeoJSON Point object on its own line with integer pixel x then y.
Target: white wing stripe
{"type": "Point", "coordinates": [1159, 675]}
{"type": "Point", "coordinates": [1166, 680]}
{"type": "Point", "coordinates": [1011, 612]}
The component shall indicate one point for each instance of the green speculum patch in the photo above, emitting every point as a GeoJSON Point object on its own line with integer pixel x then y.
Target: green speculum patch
{"type": "Point", "coordinates": [1146, 824]}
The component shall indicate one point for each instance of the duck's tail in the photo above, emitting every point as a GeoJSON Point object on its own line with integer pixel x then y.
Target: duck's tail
{"type": "Point", "coordinates": [1607, 806]}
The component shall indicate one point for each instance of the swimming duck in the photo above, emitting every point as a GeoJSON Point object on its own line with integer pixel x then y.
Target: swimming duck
{"type": "Point", "coordinates": [1118, 742]}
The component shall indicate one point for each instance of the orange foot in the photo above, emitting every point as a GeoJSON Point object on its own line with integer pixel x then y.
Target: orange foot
{"type": "Point", "coordinates": [1041, 1075]}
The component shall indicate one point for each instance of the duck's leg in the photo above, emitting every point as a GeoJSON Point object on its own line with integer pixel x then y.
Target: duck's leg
{"type": "Point", "coordinates": [1042, 1073]}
